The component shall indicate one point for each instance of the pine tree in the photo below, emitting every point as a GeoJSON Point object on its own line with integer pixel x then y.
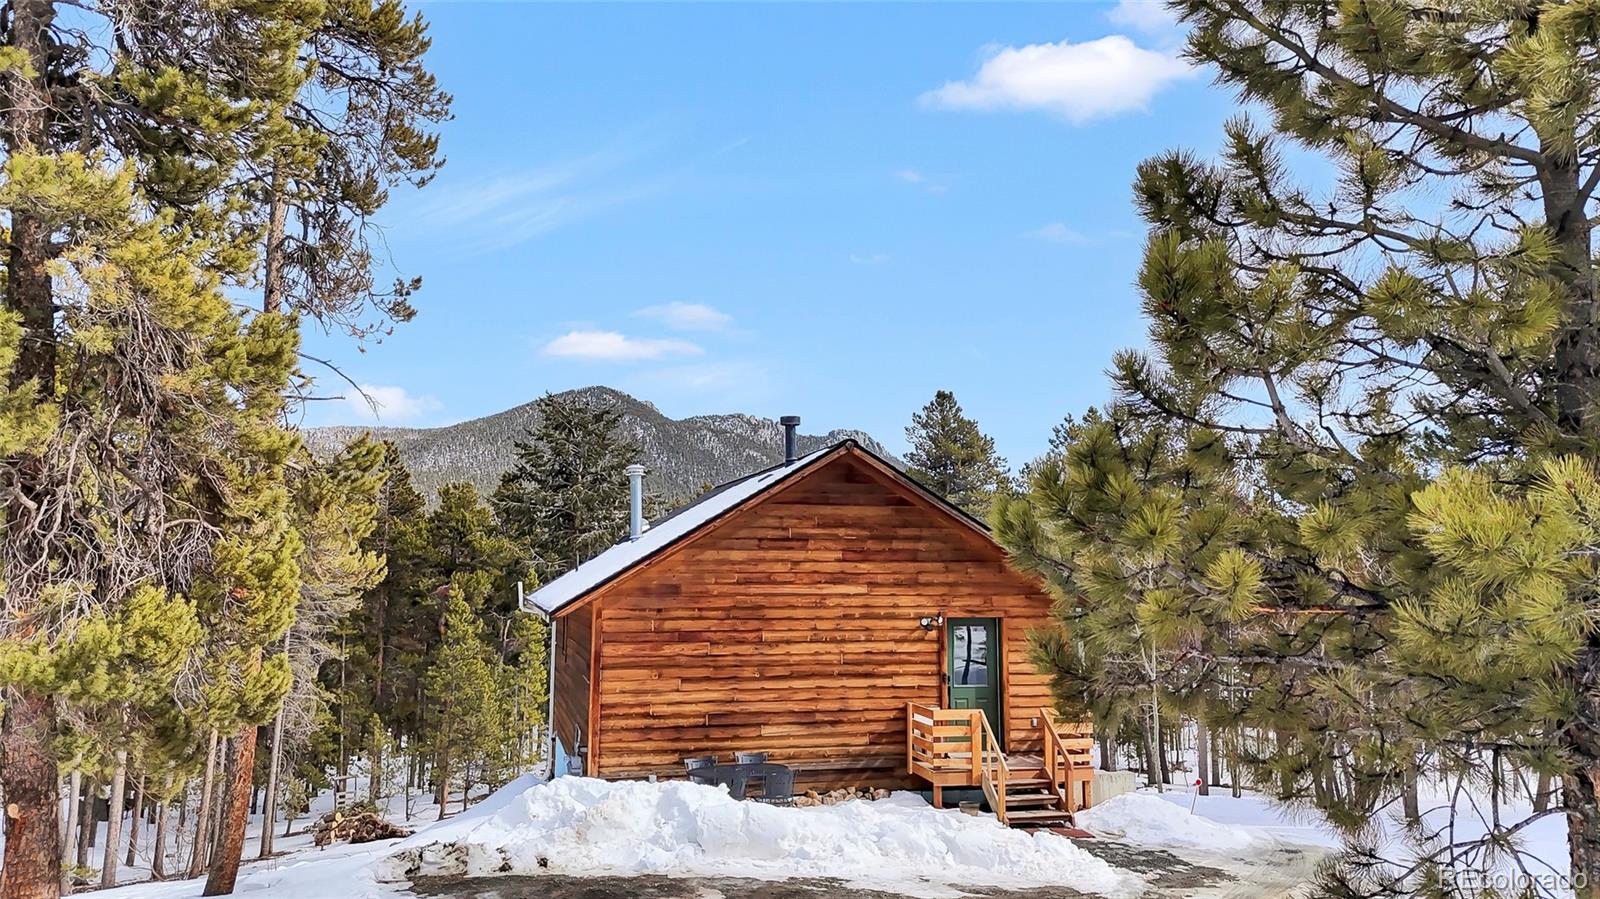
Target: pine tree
{"type": "Point", "coordinates": [951, 455]}
{"type": "Point", "coordinates": [334, 509]}
{"type": "Point", "coordinates": [526, 690]}
{"type": "Point", "coordinates": [461, 535]}
{"type": "Point", "coordinates": [361, 125]}
{"type": "Point", "coordinates": [1364, 534]}
{"type": "Point", "coordinates": [386, 628]}
{"type": "Point", "coordinates": [465, 682]}
{"type": "Point", "coordinates": [250, 596]}
{"type": "Point", "coordinates": [109, 472]}
{"type": "Point", "coordinates": [566, 495]}
{"type": "Point", "coordinates": [141, 418]}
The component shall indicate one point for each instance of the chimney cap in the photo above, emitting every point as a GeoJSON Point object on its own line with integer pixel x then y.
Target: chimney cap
{"type": "Point", "coordinates": [634, 470]}
{"type": "Point", "coordinates": [789, 421]}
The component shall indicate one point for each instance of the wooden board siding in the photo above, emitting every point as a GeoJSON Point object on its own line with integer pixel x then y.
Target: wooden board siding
{"type": "Point", "coordinates": [792, 627]}
{"type": "Point", "coordinates": [574, 639]}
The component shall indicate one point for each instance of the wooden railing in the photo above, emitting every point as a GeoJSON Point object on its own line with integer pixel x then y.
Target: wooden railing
{"type": "Point", "coordinates": [994, 770]}
{"type": "Point", "coordinates": [1067, 760]}
{"type": "Point", "coordinates": [943, 745]}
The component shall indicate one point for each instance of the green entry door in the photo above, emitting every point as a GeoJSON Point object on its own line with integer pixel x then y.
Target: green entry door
{"type": "Point", "coordinates": [974, 654]}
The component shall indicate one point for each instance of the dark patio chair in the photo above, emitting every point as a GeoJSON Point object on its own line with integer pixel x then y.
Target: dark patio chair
{"type": "Point", "coordinates": [777, 787]}
{"type": "Point", "coordinates": [696, 762]}
{"type": "Point", "coordinates": [750, 758]}
{"type": "Point", "coordinates": [722, 776]}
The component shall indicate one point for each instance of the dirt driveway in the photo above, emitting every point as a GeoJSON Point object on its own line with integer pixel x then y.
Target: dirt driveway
{"type": "Point", "coordinates": [1263, 875]}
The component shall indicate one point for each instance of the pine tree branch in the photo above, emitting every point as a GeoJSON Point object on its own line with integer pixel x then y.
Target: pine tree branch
{"type": "Point", "coordinates": [1394, 112]}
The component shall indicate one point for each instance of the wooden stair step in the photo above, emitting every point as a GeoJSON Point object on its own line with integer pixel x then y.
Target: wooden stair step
{"type": "Point", "coordinates": [1030, 783]}
{"type": "Point", "coordinates": [1038, 818]}
{"type": "Point", "coordinates": [1023, 799]}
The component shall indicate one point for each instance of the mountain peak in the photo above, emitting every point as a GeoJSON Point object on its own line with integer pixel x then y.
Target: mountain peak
{"type": "Point", "coordinates": [683, 455]}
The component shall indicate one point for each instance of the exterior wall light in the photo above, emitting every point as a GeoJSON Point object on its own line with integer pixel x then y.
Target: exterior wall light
{"type": "Point", "coordinates": [929, 623]}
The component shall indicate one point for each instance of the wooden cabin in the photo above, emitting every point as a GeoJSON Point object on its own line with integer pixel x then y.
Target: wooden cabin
{"type": "Point", "coordinates": [830, 611]}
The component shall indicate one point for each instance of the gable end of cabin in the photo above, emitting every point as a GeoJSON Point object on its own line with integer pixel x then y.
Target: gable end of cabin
{"type": "Point", "coordinates": [801, 623]}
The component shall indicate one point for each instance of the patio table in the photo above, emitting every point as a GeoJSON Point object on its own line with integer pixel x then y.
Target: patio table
{"type": "Point", "coordinates": [777, 781]}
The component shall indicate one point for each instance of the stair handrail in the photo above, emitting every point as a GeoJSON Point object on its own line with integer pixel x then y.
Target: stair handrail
{"type": "Point", "coordinates": [1059, 764]}
{"type": "Point", "coordinates": [1055, 756]}
{"type": "Point", "coordinates": [995, 768]}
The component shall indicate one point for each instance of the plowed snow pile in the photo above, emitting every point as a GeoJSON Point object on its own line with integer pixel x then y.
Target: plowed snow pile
{"type": "Point", "coordinates": [576, 825]}
{"type": "Point", "coordinates": [1148, 819]}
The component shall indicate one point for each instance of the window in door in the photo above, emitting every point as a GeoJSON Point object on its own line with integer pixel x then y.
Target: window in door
{"type": "Point", "coordinates": [970, 647]}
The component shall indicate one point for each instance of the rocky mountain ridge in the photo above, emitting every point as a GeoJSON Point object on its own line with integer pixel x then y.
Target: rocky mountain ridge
{"type": "Point", "coordinates": [682, 455]}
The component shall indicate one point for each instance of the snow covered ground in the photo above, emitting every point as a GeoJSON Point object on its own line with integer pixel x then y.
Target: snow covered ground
{"type": "Point", "coordinates": [578, 826]}
{"type": "Point", "coordinates": [901, 844]}
{"type": "Point", "coordinates": [289, 851]}
{"type": "Point", "coordinates": [1224, 827]}
{"type": "Point", "coordinates": [582, 827]}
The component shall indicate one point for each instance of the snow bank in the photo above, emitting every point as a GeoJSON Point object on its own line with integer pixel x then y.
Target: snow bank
{"type": "Point", "coordinates": [1148, 819]}
{"type": "Point", "coordinates": [577, 825]}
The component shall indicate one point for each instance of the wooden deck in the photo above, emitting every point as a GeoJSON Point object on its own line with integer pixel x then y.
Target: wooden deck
{"type": "Point", "coordinates": [957, 748]}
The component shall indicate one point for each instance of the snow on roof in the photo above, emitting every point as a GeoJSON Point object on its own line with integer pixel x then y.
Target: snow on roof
{"type": "Point", "coordinates": [664, 532]}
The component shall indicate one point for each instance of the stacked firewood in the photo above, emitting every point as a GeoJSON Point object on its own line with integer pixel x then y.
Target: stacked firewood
{"type": "Point", "coordinates": [834, 797]}
{"type": "Point", "coordinates": [354, 826]}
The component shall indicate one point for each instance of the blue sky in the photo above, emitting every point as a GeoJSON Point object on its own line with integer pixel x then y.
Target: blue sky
{"type": "Point", "coordinates": [812, 209]}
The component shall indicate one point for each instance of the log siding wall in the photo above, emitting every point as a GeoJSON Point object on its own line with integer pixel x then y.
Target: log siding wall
{"type": "Point", "coordinates": [574, 658]}
{"type": "Point", "coordinates": [793, 628]}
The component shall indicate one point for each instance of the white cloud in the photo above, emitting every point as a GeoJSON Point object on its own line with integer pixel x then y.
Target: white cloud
{"type": "Point", "coordinates": [499, 210]}
{"type": "Point", "coordinates": [912, 176]}
{"type": "Point", "coordinates": [1078, 82]}
{"type": "Point", "coordinates": [732, 383]}
{"type": "Point", "coordinates": [1148, 16]}
{"type": "Point", "coordinates": [610, 346]}
{"type": "Point", "coordinates": [711, 376]}
{"type": "Point", "coordinates": [388, 404]}
{"type": "Point", "coordinates": [869, 258]}
{"type": "Point", "coordinates": [681, 316]}
{"type": "Point", "coordinates": [1056, 232]}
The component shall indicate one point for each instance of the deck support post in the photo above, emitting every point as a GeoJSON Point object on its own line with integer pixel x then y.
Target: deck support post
{"type": "Point", "coordinates": [938, 796]}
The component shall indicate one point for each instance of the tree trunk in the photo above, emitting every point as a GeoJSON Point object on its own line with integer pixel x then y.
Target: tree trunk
{"type": "Point", "coordinates": [276, 249]}
{"type": "Point", "coordinates": [70, 831]}
{"type": "Point", "coordinates": [1152, 773]}
{"type": "Point", "coordinates": [158, 846]}
{"type": "Point", "coordinates": [32, 866]}
{"type": "Point", "coordinates": [1162, 758]}
{"type": "Point", "coordinates": [1108, 753]}
{"type": "Point", "coordinates": [197, 858]}
{"type": "Point", "coordinates": [270, 800]}
{"type": "Point", "coordinates": [133, 826]}
{"type": "Point", "coordinates": [1577, 355]}
{"type": "Point", "coordinates": [114, 806]}
{"type": "Point", "coordinates": [379, 660]}
{"type": "Point", "coordinates": [1202, 746]}
{"type": "Point", "coordinates": [86, 820]}
{"type": "Point", "coordinates": [235, 815]}
{"type": "Point", "coordinates": [1542, 793]}
{"type": "Point", "coordinates": [1411, 803]}
{"type": "Point", "coordinates": [375, 770]}
{"type": "Point", "coordinates": [29, 290]}
{"type": "Point", "coordinates": [219, 801]}
{"type": "Point", "coordinates": [442, 771]}
{"type": "Point", "coordinates": [1235, 787]}
{"type": "Point", "coordinates": [29, 780]}
{"type": "Point", "coordinates": [1286, 780]}
{"type": "Point", "coordinates": [344, 746]}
